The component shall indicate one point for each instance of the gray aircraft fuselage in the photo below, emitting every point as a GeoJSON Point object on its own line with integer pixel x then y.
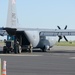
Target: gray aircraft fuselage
{"type": "Point", "coordinates": [30, 35]}
{"type": "Point", "coordinates": [37, 40]}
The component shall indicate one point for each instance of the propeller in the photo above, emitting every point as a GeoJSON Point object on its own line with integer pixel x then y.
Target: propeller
{"type": "Point", "coordinates": [65, 38]}
{"type": "Point", "coordinates": [60, 37]}
{"type": "Point", "coordinates": [58, 27]}
{"type": "Point", "coordinates": [65, 27]}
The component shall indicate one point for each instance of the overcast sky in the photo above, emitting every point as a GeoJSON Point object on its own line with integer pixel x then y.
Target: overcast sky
{"type": "Point", "coordinates": [41, 13]}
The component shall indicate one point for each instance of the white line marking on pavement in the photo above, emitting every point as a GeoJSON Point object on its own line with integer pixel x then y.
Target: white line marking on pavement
{"type": "Point", "coordinates": [72, 58]}
{"type": "Point", "coordinates": [59, 54]}
{"type": "Point", "coordinates": [19, 55]}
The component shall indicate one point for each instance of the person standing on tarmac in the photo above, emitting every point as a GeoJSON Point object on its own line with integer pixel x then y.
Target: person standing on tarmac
{"type": "Point", "coordinates": [16, 47]}
{"type": "Point", "coordinates": [31, 47]}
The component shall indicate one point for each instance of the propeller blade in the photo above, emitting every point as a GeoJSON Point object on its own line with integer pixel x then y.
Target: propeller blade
{"type": "Point", "coordinates": [59, 40]}
{"type": "Point", "coordinates": [65, 38]}
{"type": "Point", "coordinates": [60, 37]}
{"type": "Point", "coordinates": [65, 27]}
{"type": "Point", "coordinates": [58, 27]}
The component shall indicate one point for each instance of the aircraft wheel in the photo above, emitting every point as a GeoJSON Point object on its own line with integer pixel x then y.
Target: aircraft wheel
{"type": "Point", "coordinates": [4, 49]}
{"type": "Point", "coordinates": [44, 49]}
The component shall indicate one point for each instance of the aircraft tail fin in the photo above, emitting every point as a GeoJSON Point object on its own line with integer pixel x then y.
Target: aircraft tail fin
{"type": "Point", "coordinates": [11, 16]}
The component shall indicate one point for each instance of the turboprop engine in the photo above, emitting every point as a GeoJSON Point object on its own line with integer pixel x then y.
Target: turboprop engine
{"type": "Point", "coordinates": [60, 37]}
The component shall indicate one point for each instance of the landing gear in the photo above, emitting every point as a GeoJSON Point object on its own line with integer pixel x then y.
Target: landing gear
{"type": "Point", "coordinates": [17, 48]}
{"type": "Point", "coordinates": [30, 48]}
{"type": "Point", "coordinates": [4, 49]}
{"type": "Point", "coordinates": [44, 49]}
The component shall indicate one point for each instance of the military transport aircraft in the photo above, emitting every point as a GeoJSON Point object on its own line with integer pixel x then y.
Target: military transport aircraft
{"type": "Point", "coordinates": [37, 37]}
{"type": "Point", "coordinates": [34, 36]}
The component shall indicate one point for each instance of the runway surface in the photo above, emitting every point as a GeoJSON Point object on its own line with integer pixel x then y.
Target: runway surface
{"type": "Point", "coordinates": [58, 61]}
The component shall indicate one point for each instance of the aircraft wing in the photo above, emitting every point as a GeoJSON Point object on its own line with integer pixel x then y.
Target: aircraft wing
{"type": "Point", "coordinates": [56, 32]}
{"type": "Point", "coordinates": [44, 32]}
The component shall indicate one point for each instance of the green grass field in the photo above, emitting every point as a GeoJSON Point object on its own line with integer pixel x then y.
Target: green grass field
{"type": "Point", "coordinates": [64, 43]}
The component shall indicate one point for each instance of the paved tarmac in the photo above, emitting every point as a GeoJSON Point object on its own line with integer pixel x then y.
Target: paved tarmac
{"type": "Point", "coordinates": [58, 61]}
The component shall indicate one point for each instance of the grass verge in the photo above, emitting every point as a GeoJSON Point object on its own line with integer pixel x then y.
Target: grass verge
{"type": "Point", "coordinates": [63, 43]}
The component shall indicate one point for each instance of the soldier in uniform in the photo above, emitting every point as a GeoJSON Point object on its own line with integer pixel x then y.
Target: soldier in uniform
{"type": "Point", "coordinates": [31, 47]}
